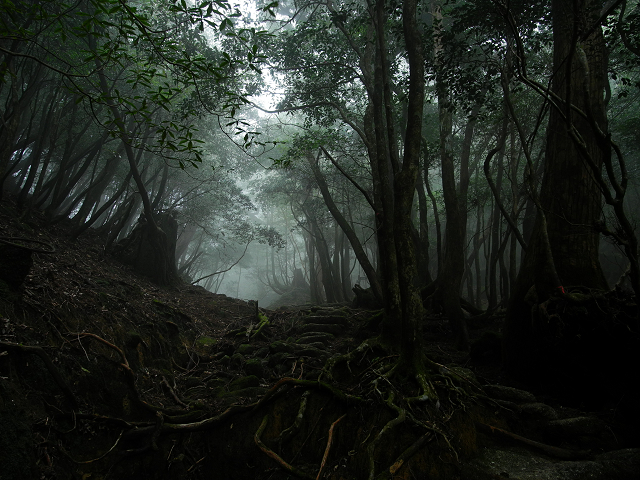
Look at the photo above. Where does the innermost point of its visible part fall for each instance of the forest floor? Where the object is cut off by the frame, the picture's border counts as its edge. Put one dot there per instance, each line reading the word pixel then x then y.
pixel 105 375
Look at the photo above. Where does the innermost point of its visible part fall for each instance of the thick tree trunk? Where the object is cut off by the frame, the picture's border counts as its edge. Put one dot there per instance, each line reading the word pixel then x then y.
pixel 563 236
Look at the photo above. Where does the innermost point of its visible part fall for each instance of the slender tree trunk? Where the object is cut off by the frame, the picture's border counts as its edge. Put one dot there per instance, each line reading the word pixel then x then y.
pixel 158 261
pixel 346 227
pixel 450 278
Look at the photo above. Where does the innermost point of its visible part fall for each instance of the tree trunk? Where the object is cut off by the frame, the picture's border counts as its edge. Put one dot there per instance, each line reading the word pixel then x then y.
pixel 158 246
pixel 570 199
pixel 450 278
pixel 345 226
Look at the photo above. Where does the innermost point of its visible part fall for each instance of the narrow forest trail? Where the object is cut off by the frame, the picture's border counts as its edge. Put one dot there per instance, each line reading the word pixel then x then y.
pixel 105 375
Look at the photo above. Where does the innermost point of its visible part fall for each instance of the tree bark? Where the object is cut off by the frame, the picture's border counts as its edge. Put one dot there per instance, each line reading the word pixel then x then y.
pixel 563 237
pixel 450 278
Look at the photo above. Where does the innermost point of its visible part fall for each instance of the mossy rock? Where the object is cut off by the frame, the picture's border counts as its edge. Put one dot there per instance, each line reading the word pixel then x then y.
pixel 278 358
pixel 326 319
pixel 216 383
pixel 315 338
pixel 262 352
pixel 254 366
pixel 538 411
pixel 323 328
pixel 280 347
pixel 309 351
pixel 237 359
pixel 246 349
pixel 500 392
pixel 244 382
pixel 206 341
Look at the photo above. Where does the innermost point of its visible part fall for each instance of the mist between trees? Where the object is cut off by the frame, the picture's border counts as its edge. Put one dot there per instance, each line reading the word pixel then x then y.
pixel 453 156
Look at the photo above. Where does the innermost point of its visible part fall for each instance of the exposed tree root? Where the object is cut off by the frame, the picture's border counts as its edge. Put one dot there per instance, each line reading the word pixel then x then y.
pixel 404 456
pixel 388 427
pixel 274 455
pixel 38 351
pixel 295 426
pixel 211 422
pixel 129 374
pixel 328 448
pixel 550 450
pixel 359 352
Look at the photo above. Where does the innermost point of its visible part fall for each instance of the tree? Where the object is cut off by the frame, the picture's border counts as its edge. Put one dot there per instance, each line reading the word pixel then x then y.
pixel 359 42
pixel 144 72
pixel 563 250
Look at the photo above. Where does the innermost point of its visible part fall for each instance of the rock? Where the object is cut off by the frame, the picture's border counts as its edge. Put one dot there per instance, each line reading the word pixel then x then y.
pixel 237 359
pixel 509 393
pixel 280 347
pixel 621 464
pixel 308 351
pixel 326 319
pixel 316 337
pixel 254 366
pixel 574 427
pixel 262 352
pixel 524 464
pixel 463 372
pixel 216 383
pixel 246 349
pixel 538 411
pixel 278 358
pixel 316 327
pixel 244 382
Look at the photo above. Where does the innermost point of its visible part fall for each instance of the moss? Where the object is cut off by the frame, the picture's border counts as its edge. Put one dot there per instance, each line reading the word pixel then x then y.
pixel 244 382
pixel 206 341
pixel 246 349
pixel 133 339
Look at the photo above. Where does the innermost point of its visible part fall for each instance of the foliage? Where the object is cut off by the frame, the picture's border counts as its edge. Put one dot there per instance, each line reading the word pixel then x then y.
pixel 158 56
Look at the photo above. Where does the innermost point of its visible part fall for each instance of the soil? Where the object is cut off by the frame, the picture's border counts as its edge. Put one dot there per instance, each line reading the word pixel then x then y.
pixel 105 375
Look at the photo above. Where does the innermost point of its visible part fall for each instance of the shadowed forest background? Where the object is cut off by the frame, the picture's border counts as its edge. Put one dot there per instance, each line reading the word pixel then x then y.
pixel 471 162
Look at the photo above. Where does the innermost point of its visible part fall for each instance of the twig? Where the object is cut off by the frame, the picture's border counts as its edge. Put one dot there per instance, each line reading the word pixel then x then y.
pixel 173 393
pixel 409 452
pixel 104 454
pixel 326 450
pixel 125 362
pixel 274 455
